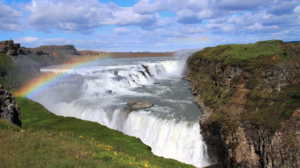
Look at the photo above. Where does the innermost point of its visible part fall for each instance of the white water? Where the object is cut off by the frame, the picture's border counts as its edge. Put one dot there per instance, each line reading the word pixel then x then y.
pixel 171 127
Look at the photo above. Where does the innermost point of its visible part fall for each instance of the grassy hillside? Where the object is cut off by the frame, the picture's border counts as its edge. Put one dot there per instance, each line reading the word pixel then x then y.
pixel 251 55
pixel 47 140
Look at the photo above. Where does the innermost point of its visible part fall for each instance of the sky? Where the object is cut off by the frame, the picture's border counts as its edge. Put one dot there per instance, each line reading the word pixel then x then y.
pixel 147 25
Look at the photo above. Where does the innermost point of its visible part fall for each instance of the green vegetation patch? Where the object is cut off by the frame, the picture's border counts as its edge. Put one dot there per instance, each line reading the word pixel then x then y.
pixel 26 148
pixel 35 118
pixel 251 55
pixel 270 109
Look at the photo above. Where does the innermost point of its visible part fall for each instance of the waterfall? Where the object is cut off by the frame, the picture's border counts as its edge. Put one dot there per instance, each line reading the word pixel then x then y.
pixel 168 128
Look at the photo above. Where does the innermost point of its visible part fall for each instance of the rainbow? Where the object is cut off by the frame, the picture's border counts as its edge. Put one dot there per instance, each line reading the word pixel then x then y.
pixel 44 80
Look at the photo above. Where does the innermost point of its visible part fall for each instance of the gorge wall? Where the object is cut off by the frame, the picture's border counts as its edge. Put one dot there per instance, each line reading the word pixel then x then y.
pixel 251 104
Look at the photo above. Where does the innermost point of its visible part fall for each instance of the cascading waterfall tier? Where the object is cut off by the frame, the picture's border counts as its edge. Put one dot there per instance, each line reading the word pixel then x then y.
pixel 171 127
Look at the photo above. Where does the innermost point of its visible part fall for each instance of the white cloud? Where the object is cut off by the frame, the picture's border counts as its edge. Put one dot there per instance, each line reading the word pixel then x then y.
pixel 121 30
pixel 260 27
pixel 297 10
pixel 283 8
pixel 146 7
pixel 27 39
pixel 193 29
pixel 10 19
pixel 235 19
pixel 228 27
pixel 82 16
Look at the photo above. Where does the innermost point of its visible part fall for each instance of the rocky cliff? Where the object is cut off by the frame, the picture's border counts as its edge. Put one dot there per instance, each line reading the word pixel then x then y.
pixel 66 49
pixel 9 47
pixel 250 95
pixel 9 110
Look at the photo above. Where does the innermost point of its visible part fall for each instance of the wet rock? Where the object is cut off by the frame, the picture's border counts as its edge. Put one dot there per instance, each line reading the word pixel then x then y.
pixel 143 73
pixel 109 92
pixel 134 105
pixel 147 69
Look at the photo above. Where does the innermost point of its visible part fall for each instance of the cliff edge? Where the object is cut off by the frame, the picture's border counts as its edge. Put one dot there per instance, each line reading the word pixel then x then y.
pixel 250 96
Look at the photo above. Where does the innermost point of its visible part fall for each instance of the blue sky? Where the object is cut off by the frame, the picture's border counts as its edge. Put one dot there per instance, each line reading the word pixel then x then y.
pixel 147 25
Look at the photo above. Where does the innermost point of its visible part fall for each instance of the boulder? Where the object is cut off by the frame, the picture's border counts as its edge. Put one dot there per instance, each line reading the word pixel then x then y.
pixel 134 105
pixel 147 69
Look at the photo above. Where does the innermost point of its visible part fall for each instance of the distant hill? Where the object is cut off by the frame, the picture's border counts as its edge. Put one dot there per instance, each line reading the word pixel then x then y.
pixel 293 42
pixel 140 54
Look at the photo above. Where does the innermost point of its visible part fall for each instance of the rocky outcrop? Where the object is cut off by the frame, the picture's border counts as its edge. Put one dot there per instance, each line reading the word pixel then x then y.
pixel 41 52
pixel 247 120
pixel 66 49
pixel 9 110
pixel 8 47
pixel 134 105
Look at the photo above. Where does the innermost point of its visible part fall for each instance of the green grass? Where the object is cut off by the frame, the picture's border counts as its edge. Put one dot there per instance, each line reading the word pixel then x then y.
pixel 35 118
pixel 26 148
pixel 250 55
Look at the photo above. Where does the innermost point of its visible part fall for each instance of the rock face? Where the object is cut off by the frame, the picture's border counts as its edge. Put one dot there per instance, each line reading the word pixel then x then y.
pixel 8 47
pixel 134 105
pixel 240 123
pixel 41 52
pixel 67 49
pixel 9 107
